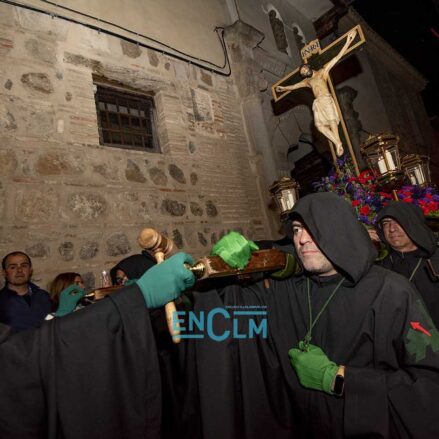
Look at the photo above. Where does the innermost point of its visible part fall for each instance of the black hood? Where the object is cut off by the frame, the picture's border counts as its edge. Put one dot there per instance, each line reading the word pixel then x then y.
pixel 412 220
pixel 133 266
pixel 338 233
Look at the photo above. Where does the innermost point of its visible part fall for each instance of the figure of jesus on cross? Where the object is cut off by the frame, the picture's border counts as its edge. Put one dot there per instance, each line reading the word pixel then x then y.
pixel 326 113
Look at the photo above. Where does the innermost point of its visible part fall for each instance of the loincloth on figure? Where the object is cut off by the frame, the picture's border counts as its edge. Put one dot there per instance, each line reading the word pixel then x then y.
pixel 325 111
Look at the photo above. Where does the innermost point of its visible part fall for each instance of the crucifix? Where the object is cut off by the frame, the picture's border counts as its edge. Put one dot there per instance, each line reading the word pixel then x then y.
pixel 314 73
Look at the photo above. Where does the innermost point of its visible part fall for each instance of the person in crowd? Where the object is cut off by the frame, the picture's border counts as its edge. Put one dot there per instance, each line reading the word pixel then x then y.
pixel 61 282
pixel 413 250
pixel 348 352
pixel 66 291
pixel 131 267
pixel 23 305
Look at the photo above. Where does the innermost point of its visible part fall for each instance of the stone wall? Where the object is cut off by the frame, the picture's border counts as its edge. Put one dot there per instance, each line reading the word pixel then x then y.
pixel 75 205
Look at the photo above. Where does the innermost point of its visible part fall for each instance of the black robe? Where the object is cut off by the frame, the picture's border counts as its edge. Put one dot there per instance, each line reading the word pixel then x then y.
pixel 92 374
pixel 134 267
pixel 412 220
pixel 247 388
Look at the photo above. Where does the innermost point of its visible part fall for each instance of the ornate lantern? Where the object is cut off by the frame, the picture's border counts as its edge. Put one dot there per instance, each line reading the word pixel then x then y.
pixel 382 156
pixel 285 192
pixel 417 170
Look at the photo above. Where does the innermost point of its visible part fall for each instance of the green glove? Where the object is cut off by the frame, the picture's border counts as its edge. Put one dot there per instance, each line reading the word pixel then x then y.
pixel 164 282
pixel 68 299
pixel 234 250
pixel 313 368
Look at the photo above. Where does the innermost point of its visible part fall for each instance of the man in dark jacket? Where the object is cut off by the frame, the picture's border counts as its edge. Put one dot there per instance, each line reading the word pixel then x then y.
pixel 413 250
pixel 23 305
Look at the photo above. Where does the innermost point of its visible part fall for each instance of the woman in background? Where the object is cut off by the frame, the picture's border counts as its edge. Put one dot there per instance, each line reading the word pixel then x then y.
pixel 66 290
pixel 61 282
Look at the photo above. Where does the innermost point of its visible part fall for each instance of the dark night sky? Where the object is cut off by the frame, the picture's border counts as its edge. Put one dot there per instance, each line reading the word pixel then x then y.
pixel 412 28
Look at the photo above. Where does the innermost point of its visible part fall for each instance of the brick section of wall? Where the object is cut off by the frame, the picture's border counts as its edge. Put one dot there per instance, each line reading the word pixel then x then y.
pixel 75 205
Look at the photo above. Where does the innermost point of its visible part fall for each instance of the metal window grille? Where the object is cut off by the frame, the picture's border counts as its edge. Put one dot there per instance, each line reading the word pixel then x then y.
pixel 126 120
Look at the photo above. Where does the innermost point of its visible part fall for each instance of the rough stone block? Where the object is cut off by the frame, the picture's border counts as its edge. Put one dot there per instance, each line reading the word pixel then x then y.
pixel 89 280
pixel 65 250
pixel 37 81
pixel 191 146
pixel 36 206
pixel 177 174
pixel 56 163
pixel 173 207
pixel 202 106
pixel 194 178
pixel 133 172
pixel 196 209
pixel 7 119
pixel 89 250
pixel 143 211
pixel 118 244
pixel 211 209
pixel 206 78
pixel 129 49
pixel 153 58
pixel 79 60
pixel 158 177
pixel 108 171
pixel 88 206
pixel 202 239
pixel 39 250
pixel 177 237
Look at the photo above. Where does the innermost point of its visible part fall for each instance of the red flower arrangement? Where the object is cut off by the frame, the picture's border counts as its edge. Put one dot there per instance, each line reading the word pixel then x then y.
pixel 362 192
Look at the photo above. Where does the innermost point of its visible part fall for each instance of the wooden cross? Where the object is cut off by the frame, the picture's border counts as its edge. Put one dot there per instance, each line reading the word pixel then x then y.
pixel 321 61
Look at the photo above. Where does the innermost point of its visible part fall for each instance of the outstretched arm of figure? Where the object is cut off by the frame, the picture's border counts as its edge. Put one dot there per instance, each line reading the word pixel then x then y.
pixel 336 59
pixel 301 84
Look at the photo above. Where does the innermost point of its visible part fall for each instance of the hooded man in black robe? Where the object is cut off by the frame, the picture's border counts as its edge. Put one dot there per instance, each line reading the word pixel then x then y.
pixel 342 316
pixel 413 250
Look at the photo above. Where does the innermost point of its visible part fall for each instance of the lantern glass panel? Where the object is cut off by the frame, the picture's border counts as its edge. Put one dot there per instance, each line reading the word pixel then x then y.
pixel 417 169
pixel 382 154
pixel 289 196
pixel 417 175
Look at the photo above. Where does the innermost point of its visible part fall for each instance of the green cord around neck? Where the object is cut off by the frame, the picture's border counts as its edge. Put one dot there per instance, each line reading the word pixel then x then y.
pixel 312 322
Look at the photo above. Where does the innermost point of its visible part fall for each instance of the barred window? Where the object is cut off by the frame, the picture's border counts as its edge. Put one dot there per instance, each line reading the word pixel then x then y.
pixel 125 119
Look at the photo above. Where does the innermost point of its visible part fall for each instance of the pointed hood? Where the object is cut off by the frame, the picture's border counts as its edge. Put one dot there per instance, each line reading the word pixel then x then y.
pixel 338 233
pixel 411 218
